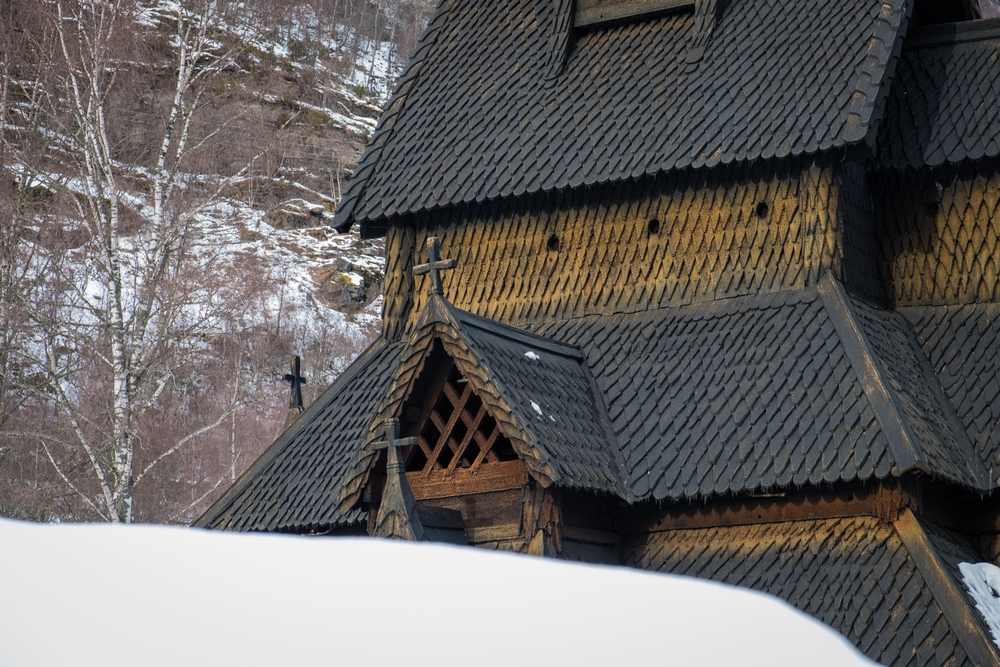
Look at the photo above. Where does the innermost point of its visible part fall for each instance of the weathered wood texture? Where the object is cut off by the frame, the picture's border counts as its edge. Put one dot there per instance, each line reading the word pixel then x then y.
pixel 873 592
pixel 541 520
pixel 940 234
pixel 490 477
pixel 596 12
pixel 489 517
pixel 884 500
pixel 733 232
pixel 397 516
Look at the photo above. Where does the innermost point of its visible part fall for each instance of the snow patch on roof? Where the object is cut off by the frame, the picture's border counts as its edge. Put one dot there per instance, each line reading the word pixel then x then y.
pixel 530 354
pixel 983 582
pixel 537 408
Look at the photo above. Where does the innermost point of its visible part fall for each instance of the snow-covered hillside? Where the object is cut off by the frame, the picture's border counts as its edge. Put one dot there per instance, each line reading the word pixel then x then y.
pixel 169 193
pixel 325 91
pixel 328 281
pixel 121 596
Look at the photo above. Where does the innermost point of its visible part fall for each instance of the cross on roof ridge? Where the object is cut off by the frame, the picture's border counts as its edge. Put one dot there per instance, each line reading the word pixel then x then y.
pixel 295 380
pixel 435 265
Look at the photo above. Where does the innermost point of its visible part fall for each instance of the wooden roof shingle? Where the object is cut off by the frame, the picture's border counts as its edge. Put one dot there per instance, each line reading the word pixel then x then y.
pixel 479 117
pixel 888 587
pixel 295 484
pixel 943 107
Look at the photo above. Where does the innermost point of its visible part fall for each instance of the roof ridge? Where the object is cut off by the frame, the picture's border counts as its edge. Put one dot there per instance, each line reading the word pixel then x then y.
pixel 953 602
pixel 881 59
pixel 512 333
pixel 868 368
pixel 344 216
pixel 711 307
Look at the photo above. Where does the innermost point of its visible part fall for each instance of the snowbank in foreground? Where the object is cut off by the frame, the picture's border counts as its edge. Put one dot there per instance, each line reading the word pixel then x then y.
pixel 109 596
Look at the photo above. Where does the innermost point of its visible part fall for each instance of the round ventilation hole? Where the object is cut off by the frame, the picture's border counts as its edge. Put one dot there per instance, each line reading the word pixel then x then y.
pixel 553 243
pixel 762 210
pixel 653 227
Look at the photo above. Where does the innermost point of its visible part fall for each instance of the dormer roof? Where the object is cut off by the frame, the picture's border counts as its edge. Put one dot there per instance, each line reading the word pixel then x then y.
pixel 752 395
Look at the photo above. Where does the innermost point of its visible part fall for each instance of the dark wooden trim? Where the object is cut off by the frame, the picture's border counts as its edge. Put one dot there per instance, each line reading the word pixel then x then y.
pixel 626 9
pixel 955 33
pixel 868 370
pixel 516 335
pixel 591 535
pixel 883 501
pixel 953 602
pixel 498 476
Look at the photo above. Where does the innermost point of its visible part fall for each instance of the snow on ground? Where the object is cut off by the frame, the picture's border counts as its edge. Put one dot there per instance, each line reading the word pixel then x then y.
pixel 983 582
pixel 141 595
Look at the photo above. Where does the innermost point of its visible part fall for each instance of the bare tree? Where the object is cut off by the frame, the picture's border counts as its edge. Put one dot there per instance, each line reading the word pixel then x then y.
pixel 135 300
pixel 139 352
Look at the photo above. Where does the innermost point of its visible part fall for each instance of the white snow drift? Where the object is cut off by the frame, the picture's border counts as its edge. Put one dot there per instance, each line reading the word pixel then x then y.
pixel 983 582
pixel 107 596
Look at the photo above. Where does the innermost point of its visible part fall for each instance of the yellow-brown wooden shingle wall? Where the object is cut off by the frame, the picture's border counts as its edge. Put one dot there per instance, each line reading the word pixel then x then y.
pixel 711 244
pixel 940 234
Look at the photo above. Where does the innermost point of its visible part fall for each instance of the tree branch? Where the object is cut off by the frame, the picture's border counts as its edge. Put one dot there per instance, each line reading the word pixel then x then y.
pixel 70 484
pixel 188 438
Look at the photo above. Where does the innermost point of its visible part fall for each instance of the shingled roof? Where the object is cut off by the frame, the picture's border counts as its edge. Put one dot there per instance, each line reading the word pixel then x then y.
pixel 892 589
pixel 961 343
pixel 753 80
pixel 942 108
pixel 676 403
pixel 539 391
pixel 295 484
pixel 718 398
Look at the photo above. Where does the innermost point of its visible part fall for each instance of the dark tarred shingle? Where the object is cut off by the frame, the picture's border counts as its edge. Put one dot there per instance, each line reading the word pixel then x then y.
pixel 477 116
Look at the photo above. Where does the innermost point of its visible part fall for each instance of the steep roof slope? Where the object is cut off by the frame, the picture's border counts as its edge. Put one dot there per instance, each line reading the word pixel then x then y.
pixel 677 403
pixel 295 484
pixel 888 587
pixel 479 116
pixel 961 343
pixel 942 107
pixel 776 391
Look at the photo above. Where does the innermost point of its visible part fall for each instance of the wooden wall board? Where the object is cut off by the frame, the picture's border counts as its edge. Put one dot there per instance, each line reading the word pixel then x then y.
pixel 940 235
pixel 692 239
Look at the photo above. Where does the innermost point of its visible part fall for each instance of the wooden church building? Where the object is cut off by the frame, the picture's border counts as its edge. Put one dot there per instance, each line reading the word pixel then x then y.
pixel 709 287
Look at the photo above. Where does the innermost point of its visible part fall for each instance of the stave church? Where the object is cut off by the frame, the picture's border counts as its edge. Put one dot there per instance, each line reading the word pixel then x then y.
pixel 706 287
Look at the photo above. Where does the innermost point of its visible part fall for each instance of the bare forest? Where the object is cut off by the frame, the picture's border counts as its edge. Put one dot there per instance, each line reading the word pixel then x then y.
pixel 167 173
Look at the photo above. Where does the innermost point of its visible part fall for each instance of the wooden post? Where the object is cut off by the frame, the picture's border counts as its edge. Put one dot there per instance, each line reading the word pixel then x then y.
pixel 397 515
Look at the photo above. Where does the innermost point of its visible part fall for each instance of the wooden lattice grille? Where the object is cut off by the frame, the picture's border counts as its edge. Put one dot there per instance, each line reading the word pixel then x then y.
pixel 458 434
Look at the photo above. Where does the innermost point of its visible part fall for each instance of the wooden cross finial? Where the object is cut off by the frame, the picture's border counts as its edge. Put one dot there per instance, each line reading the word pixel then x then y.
pixel 295 382
pixel 435 265
pixel 393 443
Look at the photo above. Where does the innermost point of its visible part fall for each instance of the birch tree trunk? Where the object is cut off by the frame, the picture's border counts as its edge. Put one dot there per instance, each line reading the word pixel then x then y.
pixel 128 307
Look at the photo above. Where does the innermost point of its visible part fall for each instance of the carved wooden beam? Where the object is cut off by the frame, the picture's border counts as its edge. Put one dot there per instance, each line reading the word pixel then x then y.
pixel 594 12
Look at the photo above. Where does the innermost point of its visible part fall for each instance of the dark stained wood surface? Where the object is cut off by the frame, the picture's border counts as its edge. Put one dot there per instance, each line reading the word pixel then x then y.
pixel 490 477
pixel 595 12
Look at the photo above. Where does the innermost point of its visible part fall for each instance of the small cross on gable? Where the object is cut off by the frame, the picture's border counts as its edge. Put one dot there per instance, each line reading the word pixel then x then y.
pixel 435 265
pixel 295 382
pixel 393 443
